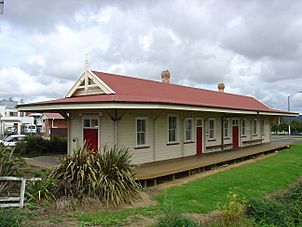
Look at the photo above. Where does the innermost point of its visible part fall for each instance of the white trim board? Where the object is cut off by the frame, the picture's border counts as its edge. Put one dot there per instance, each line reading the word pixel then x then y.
pixel 101 86
pixel 110 105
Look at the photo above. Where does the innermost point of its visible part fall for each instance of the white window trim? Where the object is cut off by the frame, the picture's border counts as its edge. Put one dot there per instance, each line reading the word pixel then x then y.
pixel 228 128
pixel 243 134
pixel 146 133
pixel 192 126
pixel 235 122
pixel 262 127
pixel 253 127
pixel 214 135
pixel 201 122
pixel 177 131
pixel 91 118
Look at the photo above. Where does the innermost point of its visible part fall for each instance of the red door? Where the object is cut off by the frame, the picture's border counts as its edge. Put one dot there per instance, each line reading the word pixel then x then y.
pixel 91 138
pixel 235 137
pixel 199 140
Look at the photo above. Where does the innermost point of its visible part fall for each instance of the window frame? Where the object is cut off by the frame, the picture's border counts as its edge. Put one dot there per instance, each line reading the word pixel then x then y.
pixel 226 130
pixel 90 122
pixel 185 130
pixel 262 125
pixel 255 128
pixel 146 132
pixel 214 128
pixel 243 127
pixel 168 129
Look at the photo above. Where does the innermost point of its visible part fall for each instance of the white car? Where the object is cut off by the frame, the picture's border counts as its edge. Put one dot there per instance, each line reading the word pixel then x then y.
pixel 11 140
pixel 30 129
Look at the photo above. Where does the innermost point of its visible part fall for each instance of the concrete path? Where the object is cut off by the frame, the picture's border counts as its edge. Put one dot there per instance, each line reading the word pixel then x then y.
pixel 47 162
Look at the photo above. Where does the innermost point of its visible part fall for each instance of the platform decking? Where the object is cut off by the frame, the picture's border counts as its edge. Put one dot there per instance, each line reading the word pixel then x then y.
pixel 154 170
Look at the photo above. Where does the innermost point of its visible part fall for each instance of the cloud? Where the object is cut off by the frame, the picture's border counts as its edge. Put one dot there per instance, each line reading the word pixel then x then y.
pixel 253 47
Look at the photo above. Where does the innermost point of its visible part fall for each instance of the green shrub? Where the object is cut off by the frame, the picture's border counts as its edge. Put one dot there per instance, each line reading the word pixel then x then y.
pixel 117 181
pixel 233 210
pixel 10 165
pixel 172 218
pixel 35 145
pixel 107 175
pixel 10 217
pixel 283 210
pixel 41 192
pixel 77 174
pixel 267 212
pixel 58 145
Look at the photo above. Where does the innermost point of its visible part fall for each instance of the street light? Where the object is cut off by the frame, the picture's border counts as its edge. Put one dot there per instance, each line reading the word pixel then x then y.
pixel 288 105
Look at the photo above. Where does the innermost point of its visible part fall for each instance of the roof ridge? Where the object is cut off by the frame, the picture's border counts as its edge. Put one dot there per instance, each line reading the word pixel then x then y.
pixel 171 84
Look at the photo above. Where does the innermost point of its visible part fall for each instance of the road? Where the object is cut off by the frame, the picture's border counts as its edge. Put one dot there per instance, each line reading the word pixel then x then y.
pixel 290 139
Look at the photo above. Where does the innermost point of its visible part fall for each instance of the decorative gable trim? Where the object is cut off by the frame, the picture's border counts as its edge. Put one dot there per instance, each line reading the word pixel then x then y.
pixel 89 84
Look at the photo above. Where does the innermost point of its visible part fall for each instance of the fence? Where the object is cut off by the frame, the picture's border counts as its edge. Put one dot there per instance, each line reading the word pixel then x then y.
pixel 17 201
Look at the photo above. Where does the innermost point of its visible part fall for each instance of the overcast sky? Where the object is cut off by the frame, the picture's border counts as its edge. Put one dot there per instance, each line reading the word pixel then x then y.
pixel 254 47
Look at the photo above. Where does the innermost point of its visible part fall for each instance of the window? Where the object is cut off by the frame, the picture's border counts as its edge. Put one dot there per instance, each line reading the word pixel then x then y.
pixel 235 122
pixel 243 127
pixel 211 128
pixel 225 128
pixel 255 126
pixel 172 129
pixel 141 131
pixel 87 123
pixel 188 129
pixel 91 123
pixel 262 127
pixel 198 122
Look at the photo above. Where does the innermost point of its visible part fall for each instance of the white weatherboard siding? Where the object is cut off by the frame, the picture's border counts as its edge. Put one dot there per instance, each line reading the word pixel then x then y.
pixel 127 136
pixel 162 149
pixel 75 138
pixel 157 147
pixel 107 131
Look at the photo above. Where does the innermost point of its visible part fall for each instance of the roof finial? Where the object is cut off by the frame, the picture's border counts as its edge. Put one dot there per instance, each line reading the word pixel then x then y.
pixel 86 63
pixel 86 73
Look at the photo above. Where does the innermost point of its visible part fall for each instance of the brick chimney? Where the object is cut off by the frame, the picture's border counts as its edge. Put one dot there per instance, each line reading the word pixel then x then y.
pixel 221 87
pixel 165 75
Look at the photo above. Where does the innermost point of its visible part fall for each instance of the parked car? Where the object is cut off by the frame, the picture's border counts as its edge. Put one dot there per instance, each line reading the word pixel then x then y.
pixel 30 129
pixel 11 140
pixel 10 130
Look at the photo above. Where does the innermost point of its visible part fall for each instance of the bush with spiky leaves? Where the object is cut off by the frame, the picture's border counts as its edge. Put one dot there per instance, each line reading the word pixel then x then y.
pixel 117 183
pixel 77 174
pixel 10 165
pixel 107 175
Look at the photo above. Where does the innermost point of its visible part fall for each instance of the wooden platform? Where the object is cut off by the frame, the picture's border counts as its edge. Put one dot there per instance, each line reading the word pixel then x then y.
pixel 170 168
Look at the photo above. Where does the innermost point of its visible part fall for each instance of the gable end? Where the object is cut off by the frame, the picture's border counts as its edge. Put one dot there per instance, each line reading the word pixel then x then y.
pixel 89 84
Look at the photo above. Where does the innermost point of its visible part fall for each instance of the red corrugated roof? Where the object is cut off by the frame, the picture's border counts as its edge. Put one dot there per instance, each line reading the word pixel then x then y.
pixel 53 116
pixel 136 90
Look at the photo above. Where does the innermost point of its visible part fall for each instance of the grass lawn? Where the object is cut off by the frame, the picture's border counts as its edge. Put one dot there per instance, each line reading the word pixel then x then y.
pixel 253 180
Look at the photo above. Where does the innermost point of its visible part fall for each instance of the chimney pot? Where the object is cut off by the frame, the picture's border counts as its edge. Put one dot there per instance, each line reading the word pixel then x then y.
pixel 221 87
pixel 165 75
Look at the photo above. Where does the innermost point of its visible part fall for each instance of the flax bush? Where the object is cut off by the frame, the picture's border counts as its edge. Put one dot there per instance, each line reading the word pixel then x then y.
pixel 10 165
pixel 107 175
